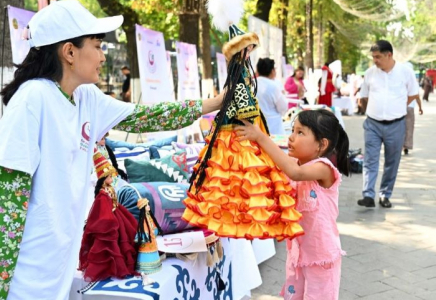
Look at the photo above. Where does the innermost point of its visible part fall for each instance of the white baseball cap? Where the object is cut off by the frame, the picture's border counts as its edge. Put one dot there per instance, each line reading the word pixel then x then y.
pixel 64 20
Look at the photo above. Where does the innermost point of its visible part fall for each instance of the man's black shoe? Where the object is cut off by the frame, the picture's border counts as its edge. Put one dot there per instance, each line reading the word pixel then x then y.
pixel 366 201
pixel 384 202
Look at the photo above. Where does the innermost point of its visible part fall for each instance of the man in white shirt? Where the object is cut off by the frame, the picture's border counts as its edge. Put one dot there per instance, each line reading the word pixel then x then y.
pixel 388 87
pixel 272 102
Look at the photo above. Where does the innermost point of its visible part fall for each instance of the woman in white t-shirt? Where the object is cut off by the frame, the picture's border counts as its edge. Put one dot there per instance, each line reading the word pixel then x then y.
pixel 54 115
pixel 272 102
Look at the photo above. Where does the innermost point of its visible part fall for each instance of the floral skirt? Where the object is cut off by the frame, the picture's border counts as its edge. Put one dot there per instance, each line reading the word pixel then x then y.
pixel 244 195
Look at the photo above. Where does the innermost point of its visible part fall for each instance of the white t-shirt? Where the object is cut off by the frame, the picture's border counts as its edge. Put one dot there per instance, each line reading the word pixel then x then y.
pixel 272 103
pixel 387 92
pixel 44 135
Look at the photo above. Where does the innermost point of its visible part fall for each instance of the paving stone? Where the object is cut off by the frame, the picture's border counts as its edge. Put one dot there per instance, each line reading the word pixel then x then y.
pixel 427 295
pixel 403 285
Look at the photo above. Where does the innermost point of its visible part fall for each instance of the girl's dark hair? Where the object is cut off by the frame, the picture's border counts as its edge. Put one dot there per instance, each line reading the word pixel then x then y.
pixel 142 236
pixel 265 66
pixel 42 63
pixel 324 124
pixel 99 185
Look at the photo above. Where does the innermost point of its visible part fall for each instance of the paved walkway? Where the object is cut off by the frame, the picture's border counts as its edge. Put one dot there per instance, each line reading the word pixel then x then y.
pixel 391 252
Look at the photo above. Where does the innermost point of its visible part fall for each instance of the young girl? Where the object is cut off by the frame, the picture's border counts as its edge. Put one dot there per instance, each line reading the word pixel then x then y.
pixel 313 266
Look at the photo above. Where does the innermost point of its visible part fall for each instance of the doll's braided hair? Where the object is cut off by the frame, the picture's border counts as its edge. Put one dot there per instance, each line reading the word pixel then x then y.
pixel 141 233
pixel 234 71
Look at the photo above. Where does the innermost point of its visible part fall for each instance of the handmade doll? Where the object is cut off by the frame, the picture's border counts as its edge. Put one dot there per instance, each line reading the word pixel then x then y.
pixel 148 256
pixel 236 189
pixel 108 243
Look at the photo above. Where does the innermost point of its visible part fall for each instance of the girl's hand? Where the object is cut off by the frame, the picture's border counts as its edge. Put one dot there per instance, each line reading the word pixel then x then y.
pixel 248 132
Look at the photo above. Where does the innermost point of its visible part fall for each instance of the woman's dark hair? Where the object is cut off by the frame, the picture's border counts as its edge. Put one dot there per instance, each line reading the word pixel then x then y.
pixel 99 185
pixel 300 68
pixel 324 124
pixel 42 63
pixel 265 66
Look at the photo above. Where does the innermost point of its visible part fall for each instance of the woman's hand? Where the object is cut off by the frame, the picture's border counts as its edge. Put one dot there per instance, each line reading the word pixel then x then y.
pixel 212 104
pixel 248 132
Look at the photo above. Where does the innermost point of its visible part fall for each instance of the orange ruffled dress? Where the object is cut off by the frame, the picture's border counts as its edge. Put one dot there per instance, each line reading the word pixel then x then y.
pixel 244 195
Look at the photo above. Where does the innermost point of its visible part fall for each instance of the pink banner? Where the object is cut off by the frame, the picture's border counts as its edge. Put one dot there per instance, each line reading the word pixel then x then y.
pixel 187 70
pixel 18 20
pixel 153 66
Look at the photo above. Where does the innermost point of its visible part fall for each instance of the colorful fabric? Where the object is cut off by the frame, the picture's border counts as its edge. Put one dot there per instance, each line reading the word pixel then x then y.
pixel 148 256
pixel 162 116
pixel 172 168
pixel 244 194
pixel 14 197
pixel 108 248
pixel 165 202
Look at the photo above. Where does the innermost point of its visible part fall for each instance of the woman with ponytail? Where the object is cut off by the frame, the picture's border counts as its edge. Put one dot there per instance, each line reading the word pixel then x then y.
pixel 236 189
pixel 54 115
pixel 317 155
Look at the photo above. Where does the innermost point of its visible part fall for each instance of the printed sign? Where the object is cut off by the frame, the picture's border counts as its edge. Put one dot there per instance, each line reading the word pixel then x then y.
pixel 18 20
pixel 186 242
pixel 153 66
pixel 187 70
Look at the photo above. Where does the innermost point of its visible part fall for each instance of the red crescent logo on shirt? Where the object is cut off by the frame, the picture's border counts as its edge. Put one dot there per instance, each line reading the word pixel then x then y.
pixel 86 130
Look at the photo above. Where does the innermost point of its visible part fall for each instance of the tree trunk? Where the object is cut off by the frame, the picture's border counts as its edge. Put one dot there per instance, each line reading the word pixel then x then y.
pixel 205 42
pixel 189 22
pixel 320 37
pixel 113 8
pixel 7 55
pixel 284 27
pixel 262 9
pixel 331 51
pixel 309 34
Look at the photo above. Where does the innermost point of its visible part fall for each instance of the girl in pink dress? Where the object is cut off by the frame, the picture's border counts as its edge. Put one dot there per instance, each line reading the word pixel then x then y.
pixel 318 154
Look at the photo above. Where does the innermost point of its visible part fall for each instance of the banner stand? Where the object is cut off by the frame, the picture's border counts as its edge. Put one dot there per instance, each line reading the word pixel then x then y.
pixel 3 53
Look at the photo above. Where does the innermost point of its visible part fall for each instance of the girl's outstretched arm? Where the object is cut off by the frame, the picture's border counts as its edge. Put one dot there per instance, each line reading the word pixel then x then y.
pixel 289 165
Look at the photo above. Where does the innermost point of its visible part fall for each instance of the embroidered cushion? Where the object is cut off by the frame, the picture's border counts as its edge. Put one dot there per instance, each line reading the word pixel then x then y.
pixel 192 151
pixel 165 201
pixel 171 168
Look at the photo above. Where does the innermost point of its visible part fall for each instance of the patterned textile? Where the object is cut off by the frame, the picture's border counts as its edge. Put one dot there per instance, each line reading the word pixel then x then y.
pixel 172 168
pixel 14 197
pixel 165 202
pixel 161 117
pixel 244 194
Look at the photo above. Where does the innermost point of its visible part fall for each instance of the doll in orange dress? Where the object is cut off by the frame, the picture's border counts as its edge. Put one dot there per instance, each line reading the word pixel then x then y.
pixel 236 189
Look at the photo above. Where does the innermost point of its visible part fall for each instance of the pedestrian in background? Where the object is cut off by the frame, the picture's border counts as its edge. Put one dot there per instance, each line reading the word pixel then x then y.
pixel 389 87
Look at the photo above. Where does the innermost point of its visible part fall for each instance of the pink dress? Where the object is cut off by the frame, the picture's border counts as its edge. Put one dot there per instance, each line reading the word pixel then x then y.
pixel 313 265
pixel 293 90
